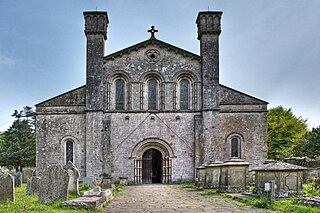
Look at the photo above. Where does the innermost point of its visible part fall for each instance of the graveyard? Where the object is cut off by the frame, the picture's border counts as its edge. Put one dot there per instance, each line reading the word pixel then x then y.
pixel 58 188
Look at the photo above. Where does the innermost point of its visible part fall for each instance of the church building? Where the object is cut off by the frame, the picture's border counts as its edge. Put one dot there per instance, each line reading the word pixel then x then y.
pixel 152 112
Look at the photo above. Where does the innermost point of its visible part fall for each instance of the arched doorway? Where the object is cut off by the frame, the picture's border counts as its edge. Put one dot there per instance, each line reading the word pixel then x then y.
pixel 152 161
pixel 152 166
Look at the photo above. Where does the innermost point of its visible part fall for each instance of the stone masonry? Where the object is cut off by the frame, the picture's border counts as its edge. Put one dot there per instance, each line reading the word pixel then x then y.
pixel 119 124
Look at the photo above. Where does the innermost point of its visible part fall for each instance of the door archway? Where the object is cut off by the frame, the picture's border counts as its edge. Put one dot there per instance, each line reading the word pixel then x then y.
pixel 152 161
pixel 152 166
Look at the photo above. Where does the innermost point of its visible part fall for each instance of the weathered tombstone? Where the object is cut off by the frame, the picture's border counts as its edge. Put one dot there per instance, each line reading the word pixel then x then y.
pixel 73 172
pixel 33 185
pixel 6 187
pixel 26 173
pixel 213 175
pixel 234 176
pixel 201 175
pixel 17 179
pixel 288 178
pixel 53 184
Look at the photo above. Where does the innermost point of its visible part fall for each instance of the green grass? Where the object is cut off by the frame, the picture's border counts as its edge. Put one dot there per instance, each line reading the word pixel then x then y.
pixel 310 190
pixel 29 203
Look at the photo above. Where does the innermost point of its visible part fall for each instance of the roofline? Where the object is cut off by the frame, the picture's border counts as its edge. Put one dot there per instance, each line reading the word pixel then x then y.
pixel 152 41
pixel 58 95
pixel 244 94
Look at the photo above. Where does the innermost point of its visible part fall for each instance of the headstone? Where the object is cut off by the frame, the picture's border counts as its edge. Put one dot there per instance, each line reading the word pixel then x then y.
pixel 53 184
pixel 17 179
pixel 73 172
pixel 26 173
pixel 6 187
pixel 33 185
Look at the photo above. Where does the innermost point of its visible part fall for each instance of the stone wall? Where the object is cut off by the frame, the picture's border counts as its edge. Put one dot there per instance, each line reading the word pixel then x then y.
pixel 52 131
pixel 135 70
pixel 161 128
pixel 251 128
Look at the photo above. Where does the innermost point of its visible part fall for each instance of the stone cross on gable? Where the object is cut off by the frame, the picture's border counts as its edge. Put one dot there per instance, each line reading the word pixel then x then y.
pixel 152 31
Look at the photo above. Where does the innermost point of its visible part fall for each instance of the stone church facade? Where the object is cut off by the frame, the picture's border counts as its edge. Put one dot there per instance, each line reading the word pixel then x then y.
pixel 151 112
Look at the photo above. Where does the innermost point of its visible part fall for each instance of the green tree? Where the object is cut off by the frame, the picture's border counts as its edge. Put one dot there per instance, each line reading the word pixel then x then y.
pixel 284 131
pixel 309 144
pixel 1 139
pixel 18 148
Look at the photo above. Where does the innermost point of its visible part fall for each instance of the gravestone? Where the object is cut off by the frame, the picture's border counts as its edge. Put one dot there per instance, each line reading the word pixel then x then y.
pixel 33 185
pixel 17 179
pixel 26 173
pixel 53 184
pixel 6 187
pixel 73 172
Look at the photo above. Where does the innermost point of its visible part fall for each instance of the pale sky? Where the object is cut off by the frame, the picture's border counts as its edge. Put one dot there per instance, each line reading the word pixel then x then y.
pixel 269 49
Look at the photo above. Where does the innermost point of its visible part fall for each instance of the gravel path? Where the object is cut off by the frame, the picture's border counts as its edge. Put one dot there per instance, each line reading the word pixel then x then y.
pixel 173 198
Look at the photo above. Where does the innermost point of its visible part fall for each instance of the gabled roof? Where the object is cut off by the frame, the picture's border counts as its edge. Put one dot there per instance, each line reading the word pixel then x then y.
pixel 229 96
pixel 152 41
pixel 74 97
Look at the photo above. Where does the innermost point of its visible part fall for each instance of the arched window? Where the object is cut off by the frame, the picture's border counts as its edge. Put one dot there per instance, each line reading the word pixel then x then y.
pixel 184 94
pixel 120 94
pixel 69 150
pixel 152 94
pixel 235 147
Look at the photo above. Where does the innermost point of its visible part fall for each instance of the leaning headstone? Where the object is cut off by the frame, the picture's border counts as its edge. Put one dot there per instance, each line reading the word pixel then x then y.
pixel 26 173
pixel 6 187
pixel 17 179
pixel 33 185
pixel 73 172
pixel 53 184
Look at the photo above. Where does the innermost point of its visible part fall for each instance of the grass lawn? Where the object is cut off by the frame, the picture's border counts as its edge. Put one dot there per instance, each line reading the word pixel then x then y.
pixel 29 203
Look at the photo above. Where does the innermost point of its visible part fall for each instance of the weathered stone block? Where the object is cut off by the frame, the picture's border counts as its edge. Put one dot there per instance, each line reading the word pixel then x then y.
pixel 6 187
pixel 53 184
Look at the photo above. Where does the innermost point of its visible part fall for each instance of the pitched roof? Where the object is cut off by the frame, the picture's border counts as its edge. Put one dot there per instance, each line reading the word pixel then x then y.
pixel 231 96
pixel 74 97
pixel 152 41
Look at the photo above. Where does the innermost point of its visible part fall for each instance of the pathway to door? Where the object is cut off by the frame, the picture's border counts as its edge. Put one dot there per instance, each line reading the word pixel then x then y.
pixel 173 198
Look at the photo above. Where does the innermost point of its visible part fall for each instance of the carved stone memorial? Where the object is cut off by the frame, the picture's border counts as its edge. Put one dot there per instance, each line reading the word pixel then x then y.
pixel 33 185
pixel 17 179
pixel 6 187
pixel 53 184
pixel 73 172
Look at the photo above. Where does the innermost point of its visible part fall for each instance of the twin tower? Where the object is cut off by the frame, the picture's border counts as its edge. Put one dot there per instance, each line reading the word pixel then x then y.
pixel 209 29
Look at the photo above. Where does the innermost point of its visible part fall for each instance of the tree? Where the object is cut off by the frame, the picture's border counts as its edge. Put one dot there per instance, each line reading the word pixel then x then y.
pixel 284 131
pixel 19 143
pixel 309 145
pixel 1 139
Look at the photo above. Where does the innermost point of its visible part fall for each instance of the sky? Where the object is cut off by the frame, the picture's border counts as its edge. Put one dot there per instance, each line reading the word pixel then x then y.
pixel 269 49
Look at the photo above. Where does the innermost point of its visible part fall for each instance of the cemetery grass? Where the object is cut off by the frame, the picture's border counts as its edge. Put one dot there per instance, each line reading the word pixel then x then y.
pixel 29 203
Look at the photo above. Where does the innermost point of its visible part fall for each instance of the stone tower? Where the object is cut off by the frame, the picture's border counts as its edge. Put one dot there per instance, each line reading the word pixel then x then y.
pixel 208 33
pixel 96 24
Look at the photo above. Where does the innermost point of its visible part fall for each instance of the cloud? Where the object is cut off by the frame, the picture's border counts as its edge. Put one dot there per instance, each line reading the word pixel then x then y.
pixel 7 61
